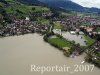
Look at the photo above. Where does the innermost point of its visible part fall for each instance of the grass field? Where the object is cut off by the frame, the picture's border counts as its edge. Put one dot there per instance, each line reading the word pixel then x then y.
pixel 89 40
pixel 57 25
pixel 60 42
pixel 12 6
pixel 43 20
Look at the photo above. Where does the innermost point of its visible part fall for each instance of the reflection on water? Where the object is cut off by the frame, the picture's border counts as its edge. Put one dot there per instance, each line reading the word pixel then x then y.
pixel 72 37
pixel 77 38
pixel 19 52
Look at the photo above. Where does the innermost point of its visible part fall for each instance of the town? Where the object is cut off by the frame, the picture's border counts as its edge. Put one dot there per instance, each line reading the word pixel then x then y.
pixel 53 28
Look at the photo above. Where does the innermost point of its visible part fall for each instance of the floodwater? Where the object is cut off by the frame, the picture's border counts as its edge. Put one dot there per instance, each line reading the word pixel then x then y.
pixel 72 37
pixel 77 38
pixel 17 53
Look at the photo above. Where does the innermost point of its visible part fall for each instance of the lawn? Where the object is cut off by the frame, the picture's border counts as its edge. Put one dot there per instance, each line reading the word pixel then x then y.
pixel 89 40
pixel 57 25
pixel 39 8
pixel 60 42
pixel 42 20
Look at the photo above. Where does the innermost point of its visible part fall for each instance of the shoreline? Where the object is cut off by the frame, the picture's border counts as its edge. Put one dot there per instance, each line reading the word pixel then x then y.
pixel 65 52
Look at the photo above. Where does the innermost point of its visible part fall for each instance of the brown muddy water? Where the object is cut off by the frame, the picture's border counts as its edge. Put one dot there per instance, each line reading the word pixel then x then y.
pixel 18 53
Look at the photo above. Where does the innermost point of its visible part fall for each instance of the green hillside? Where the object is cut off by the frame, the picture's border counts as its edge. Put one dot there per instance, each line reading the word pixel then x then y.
pixel 15 7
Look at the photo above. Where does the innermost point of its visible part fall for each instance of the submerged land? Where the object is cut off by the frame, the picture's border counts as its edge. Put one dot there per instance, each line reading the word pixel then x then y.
pixel 71 32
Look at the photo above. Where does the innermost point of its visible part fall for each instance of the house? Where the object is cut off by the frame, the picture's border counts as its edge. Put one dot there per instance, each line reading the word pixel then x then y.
pixel 73 32
pixel 89 29
pixel 27 19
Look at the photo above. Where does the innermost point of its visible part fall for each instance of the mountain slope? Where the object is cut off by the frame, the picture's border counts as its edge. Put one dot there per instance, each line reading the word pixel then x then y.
pixel 33 2
pixel 11 6
pixel 63 4
pixel 10 9
pixel 67 4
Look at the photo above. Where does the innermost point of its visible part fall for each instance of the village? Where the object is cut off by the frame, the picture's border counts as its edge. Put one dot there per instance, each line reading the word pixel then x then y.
pixel 65 23
pixel 23 26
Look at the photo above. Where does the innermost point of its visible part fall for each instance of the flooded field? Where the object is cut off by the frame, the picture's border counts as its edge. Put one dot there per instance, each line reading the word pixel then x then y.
pixel 77 38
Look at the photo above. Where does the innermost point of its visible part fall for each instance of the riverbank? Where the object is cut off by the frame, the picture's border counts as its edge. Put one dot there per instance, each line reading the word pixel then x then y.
pixel 92 60
pixel 93 55
pixel 68 47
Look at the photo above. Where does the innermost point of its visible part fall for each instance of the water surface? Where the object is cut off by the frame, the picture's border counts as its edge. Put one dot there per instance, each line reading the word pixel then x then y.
pixel 17 53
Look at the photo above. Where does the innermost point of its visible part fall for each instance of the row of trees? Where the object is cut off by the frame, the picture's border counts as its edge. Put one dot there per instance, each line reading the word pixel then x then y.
pixel 74 47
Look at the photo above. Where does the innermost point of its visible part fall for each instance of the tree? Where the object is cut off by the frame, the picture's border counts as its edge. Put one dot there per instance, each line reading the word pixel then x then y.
pixel 33 8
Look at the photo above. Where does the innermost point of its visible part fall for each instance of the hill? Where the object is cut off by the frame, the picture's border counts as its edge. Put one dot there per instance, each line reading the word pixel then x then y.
pixel 11 9
pixel 18 8
pixel 32 2
pixel 68 4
